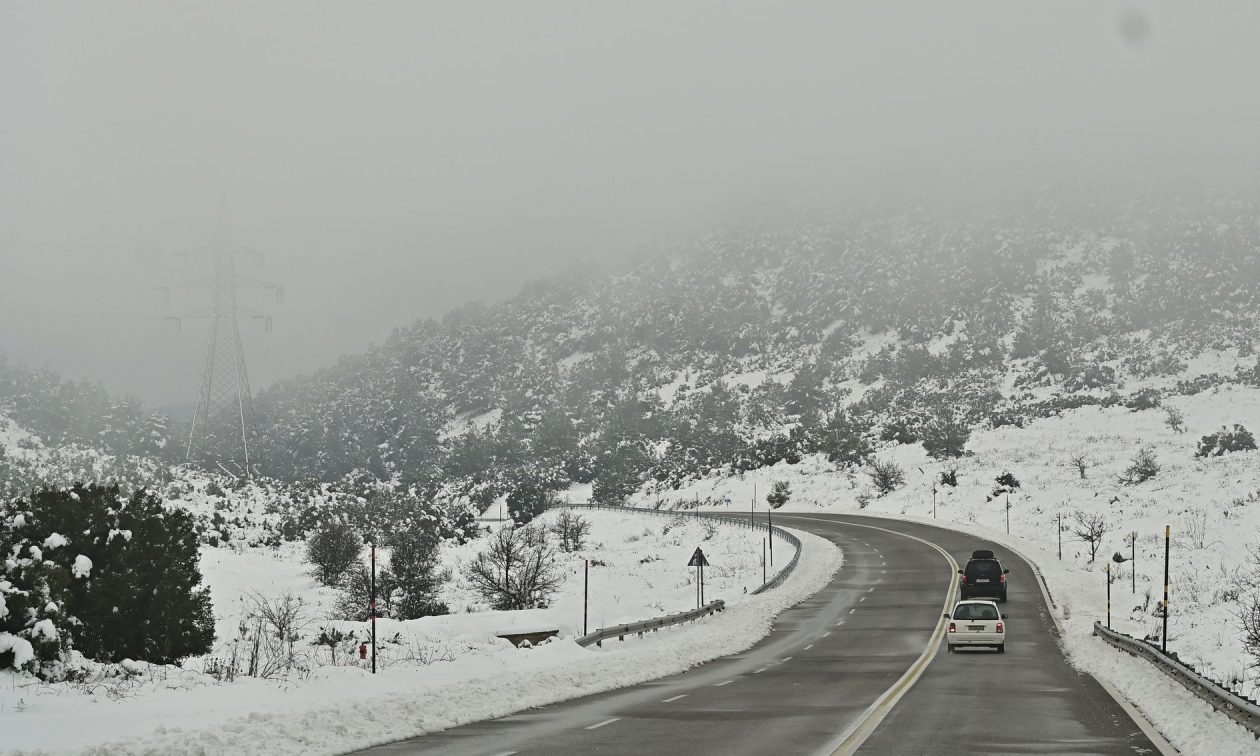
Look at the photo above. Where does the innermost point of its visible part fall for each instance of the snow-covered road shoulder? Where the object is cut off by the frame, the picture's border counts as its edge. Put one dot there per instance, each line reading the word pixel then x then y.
pixel 341 709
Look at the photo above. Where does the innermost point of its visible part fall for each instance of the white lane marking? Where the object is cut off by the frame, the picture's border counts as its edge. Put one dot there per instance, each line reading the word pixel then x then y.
pixel 675 698
pixel 759 671
pixel 786 659
pixel 506 753
pixel 868 590
pixel 851 611
pixel 862 599
pixel 828 632
pixel 728 682
pixel 809 646
pixel 601 724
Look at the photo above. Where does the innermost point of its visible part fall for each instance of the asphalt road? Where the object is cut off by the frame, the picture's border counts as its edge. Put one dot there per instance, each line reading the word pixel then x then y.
pixel 804 687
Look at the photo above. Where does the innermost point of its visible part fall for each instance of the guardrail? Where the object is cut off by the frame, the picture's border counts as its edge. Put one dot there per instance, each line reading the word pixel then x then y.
pixel 743 522
pixel 639 628
pixel 1242 710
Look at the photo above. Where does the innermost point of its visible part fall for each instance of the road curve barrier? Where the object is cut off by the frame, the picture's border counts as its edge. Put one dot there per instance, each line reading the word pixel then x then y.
pixel 1242 710
pixel 638 628
pixel 651 625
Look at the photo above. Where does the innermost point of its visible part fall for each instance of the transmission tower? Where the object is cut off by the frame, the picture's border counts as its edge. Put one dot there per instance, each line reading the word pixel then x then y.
pixel 222 433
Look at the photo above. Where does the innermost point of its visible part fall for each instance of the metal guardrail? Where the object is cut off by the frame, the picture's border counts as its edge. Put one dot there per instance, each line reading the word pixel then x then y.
pixel 1243 711
pixel 743 522
pixel 638 628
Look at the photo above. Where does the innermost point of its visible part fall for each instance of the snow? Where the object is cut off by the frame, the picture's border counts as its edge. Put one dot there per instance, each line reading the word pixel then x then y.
pixel 55 541
pixel 337 708
pixel 82 566
pixel 22 650
pixel 45 628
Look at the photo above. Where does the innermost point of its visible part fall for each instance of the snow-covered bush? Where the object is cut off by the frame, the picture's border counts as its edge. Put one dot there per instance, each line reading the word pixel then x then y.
pixel 780 492
pixel 1226 440
pixel 886 475
pixel 1143 467
pixel 945 434
pixel 126 577
pixel 333 549
pixel 32 582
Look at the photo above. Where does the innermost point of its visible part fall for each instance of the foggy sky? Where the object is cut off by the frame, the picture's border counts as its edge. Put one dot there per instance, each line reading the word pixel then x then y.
pixel 394 160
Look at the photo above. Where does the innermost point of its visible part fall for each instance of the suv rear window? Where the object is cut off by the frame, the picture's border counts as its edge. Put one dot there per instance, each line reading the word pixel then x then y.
pixel 983 569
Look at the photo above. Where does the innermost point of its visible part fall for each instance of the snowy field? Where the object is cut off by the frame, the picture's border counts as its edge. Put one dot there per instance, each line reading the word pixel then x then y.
pixel 435 672
pixel 1212 505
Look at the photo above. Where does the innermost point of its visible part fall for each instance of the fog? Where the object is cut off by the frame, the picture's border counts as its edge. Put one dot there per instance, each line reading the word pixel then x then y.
pixel 394 160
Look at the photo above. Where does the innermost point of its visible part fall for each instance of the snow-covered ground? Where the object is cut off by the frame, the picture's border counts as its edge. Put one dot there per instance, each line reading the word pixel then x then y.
pixel 1212 505
pixel 435 672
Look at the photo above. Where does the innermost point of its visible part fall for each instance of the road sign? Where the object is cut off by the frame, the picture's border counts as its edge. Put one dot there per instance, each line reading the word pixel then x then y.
pixel 697 559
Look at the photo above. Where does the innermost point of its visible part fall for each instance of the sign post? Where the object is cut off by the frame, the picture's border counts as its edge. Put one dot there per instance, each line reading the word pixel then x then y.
pixel 1163 636
pixel 699 561
pixel 1133 560
pixel 586 591
pixel 372 606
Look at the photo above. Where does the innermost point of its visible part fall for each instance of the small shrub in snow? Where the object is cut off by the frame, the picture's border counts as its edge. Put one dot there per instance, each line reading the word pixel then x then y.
pixel 333 548
pixel 1007 482
pixel 1145 399
pixel 527 500
pixel 1226 440
pixel 886 476
pixel 950 477
pixel 1249 624
pixel 1143 467
pixel 1175 419
pixel 780 492
pixel 572 530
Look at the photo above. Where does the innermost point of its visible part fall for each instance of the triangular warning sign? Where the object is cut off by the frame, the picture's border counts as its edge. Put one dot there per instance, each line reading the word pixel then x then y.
pixel 697 559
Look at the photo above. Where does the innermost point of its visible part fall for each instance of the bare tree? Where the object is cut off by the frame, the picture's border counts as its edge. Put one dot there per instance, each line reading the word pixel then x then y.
pixel 518 570
pixel 886 476
pixel 1090 528
pixel 572 529
pixel 1249 619
pixel 1080 461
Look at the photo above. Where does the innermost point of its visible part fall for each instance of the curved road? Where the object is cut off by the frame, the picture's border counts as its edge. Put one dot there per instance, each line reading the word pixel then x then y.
pixel 806 686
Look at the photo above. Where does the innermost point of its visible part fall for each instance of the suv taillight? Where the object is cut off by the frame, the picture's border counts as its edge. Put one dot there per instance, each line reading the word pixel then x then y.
pixel 962 579
pixel 1000 628
pixel 952 628
pixel 1002 578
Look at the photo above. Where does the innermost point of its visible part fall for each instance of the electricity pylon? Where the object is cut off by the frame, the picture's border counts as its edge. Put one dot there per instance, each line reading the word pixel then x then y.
pixel 222 433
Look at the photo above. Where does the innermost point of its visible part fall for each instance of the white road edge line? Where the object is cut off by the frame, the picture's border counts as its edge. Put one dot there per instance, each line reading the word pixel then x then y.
pixel 601 724
pixel 674 698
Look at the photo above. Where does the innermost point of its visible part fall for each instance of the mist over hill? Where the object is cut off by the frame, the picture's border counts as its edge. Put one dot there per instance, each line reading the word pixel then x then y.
pixel 771 339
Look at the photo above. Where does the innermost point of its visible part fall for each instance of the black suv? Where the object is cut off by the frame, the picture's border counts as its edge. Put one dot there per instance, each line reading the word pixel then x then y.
pixel 983 577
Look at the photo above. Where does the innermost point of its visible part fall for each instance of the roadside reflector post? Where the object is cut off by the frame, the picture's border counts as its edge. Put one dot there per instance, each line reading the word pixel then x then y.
pixel 1163 636
pixel 1108 595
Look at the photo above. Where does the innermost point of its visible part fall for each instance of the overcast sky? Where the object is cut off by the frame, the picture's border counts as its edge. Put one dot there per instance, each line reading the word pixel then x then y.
pixel 394 160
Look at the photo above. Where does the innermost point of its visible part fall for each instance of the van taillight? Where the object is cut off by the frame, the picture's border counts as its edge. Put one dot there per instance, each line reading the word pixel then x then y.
pixel 1000 629
pixel 952 628
pixel 962 579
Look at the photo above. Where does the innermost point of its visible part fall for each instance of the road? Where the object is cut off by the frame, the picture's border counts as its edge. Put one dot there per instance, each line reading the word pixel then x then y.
pixel 806 686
